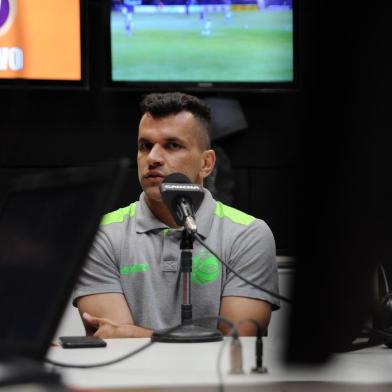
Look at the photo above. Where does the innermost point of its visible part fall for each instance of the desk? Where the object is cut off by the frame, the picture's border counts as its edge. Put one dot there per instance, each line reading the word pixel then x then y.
pixel 193 367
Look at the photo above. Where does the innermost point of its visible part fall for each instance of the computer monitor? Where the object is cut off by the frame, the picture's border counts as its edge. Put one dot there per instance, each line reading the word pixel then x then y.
pixel 342 236
pixel 47 224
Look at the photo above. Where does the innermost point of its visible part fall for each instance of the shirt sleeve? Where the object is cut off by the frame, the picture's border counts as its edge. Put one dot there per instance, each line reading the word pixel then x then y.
pixel 100 273
pixel 253 255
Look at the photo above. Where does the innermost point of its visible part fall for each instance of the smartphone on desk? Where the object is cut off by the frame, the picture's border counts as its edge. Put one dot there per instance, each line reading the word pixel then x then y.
pixel 81 341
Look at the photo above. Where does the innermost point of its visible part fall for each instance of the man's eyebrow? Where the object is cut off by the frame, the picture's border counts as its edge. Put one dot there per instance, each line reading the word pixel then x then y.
pixel 167 140
pixel 173 139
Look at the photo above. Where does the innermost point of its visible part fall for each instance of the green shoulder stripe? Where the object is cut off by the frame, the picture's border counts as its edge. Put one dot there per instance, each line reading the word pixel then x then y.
pixel 236 216
pixel 119 215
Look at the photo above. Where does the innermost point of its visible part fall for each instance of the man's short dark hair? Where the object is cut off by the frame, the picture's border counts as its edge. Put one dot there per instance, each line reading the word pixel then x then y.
pixel 164 104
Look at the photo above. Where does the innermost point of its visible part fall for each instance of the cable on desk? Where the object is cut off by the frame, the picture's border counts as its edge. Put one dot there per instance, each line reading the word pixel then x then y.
pixel 384 336
pixel 95 365
pixel 273 294
pixel 132 353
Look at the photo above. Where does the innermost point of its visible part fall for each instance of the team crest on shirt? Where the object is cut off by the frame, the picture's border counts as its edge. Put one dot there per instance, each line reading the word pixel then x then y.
pixel 7 15
pixel 205 268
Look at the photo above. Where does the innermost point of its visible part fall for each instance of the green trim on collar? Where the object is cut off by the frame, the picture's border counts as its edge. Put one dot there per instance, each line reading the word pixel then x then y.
pixel 236 216
pixel 119 215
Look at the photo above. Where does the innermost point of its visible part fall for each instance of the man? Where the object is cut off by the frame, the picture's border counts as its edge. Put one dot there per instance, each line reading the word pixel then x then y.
pixel 131 283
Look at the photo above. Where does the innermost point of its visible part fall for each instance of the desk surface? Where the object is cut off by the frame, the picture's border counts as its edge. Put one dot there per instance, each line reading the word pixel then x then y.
pixel 193 367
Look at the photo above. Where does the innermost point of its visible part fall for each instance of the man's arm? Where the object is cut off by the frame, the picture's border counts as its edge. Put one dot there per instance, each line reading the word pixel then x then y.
pixel 253 255
pixel 107 315
pixel 237 309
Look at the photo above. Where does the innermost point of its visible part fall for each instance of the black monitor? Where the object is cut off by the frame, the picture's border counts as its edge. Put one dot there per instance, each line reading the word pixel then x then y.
pixel 47 224
pixel 335 289
pixel 342 230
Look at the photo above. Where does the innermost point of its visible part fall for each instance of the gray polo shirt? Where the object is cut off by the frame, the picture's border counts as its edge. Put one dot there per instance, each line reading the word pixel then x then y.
pixel 137 255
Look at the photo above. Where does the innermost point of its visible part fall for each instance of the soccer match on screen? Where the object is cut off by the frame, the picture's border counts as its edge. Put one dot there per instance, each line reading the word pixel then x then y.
pixel 202 40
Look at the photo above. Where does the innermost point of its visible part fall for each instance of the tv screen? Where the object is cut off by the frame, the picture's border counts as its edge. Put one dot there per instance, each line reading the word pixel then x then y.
pixel 202 43
pixel 41 40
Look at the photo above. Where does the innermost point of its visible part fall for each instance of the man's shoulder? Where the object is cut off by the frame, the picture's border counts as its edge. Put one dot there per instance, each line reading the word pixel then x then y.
pixel 233 215
pixel 236 222
pixel 120 215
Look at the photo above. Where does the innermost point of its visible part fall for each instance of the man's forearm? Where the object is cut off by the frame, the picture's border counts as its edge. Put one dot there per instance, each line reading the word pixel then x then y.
pixel 122 331
pixel 134 331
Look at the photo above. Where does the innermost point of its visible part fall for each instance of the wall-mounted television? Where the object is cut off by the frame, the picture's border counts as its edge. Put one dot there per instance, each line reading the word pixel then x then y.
pixel 201 44
pixel 42 43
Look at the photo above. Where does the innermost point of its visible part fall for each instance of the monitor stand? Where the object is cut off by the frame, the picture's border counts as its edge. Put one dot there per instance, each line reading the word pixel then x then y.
pixel 16 371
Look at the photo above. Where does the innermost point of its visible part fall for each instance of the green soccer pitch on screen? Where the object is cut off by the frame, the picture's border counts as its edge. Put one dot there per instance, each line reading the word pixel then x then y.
pixel 205 43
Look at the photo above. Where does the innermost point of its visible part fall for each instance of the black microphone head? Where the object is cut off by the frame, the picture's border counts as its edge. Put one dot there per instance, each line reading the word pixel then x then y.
pixel 177 186
pixel 177 178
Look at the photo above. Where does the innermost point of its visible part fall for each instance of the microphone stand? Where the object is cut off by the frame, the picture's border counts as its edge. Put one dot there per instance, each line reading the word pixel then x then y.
pixel 188 332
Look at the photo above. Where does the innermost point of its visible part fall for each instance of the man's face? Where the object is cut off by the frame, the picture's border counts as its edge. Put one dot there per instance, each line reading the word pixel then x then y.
pixel 169 145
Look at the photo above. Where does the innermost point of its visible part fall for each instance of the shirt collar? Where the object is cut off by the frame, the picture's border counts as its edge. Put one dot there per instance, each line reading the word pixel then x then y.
pixel 147 222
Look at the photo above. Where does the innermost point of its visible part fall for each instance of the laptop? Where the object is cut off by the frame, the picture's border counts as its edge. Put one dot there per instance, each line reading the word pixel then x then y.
pixel 47 224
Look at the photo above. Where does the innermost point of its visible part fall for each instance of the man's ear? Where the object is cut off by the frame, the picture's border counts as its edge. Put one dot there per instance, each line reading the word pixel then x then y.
pixel 208 163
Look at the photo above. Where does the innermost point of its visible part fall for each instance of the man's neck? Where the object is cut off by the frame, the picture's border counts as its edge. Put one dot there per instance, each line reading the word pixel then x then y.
pixel 160 211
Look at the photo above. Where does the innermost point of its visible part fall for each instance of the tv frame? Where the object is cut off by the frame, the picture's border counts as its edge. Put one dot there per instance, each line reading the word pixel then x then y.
pixel 201 87
pixel 57 84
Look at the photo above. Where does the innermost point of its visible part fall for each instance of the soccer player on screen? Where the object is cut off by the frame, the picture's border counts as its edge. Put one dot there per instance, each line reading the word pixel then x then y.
pixel 127 13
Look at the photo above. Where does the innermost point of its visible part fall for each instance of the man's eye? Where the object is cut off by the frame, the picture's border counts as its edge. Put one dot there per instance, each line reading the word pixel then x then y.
pixel 173 146
pixel 143 146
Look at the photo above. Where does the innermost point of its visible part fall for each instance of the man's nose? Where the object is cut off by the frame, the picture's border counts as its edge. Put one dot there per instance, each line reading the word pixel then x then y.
pixel 155 156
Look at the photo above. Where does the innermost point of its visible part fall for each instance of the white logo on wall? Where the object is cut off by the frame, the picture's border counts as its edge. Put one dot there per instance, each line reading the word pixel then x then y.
pixel 7 15
pixel 11 58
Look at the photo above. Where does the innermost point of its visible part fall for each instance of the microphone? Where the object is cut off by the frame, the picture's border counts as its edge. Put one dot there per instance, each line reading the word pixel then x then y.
pixel 182 198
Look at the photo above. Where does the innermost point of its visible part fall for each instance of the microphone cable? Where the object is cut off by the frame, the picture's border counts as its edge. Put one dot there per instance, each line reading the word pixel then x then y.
pixel 273 294
pixel 107 363
pixel 384 336
pixel 235 354
pixel 134 352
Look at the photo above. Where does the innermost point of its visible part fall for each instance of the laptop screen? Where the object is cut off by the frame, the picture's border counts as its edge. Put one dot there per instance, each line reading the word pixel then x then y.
pixel 47 224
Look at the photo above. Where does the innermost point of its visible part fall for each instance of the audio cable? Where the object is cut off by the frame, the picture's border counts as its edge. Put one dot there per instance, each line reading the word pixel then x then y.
pixel 134 352
pixel 273 294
